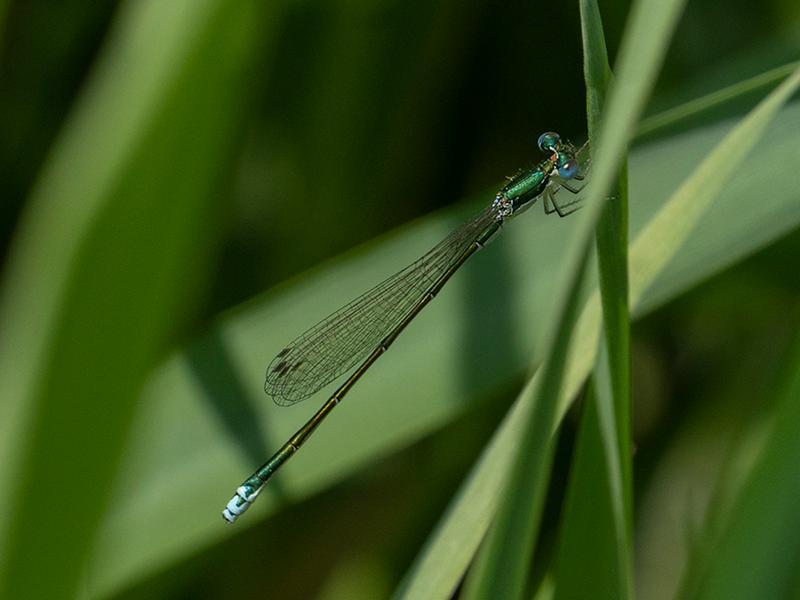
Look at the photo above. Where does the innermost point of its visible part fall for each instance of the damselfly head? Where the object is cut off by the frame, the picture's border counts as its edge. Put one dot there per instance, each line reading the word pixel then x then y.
pixel 549 141
pixel 563 154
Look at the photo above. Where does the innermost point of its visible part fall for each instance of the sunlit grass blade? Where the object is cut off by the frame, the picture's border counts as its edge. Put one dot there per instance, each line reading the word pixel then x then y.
pixel 103 268
pixel 680 114
pixel 501 570
pixel 444 559
pixel 657 242
pixel 612 252
pixel 511 539
pixel 751 550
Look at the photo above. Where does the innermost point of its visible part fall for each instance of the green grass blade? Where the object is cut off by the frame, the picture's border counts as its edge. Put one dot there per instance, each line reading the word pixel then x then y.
pixel 612 262
pixel 653 261
pixel 103 267
pixel 612 254
pixel 596 70
pixel 641 53
pixel 752 551
pixel 660 239
pixel 599 495
pixel 501 570
pixel 680 114
pixel 594 503
pixel 510 543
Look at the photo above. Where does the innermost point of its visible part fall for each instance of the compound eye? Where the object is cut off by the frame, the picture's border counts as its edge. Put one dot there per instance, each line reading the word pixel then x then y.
pixel 548 141
pixel 569 169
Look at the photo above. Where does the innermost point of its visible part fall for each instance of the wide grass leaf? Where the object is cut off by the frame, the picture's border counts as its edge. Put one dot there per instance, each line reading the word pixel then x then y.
pixel 102 269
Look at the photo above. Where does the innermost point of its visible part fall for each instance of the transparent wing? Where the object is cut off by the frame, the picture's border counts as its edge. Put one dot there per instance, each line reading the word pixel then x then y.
pixel 337 343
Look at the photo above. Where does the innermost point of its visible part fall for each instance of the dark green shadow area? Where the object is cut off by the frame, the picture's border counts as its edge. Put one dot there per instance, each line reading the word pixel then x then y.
pixel 209 362
pixel 487 337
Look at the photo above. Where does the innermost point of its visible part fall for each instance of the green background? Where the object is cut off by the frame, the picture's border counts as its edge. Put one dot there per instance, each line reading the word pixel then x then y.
pixel 187 186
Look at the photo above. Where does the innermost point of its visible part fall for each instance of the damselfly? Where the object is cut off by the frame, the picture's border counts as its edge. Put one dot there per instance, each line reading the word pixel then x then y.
pixel 357 334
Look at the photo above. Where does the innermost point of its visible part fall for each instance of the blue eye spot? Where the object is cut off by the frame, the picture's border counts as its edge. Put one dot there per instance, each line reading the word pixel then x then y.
pixel 569 169
pixel 548 141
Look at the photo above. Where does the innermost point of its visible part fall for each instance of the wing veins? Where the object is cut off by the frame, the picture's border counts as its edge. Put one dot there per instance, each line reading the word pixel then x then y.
pixel 338 342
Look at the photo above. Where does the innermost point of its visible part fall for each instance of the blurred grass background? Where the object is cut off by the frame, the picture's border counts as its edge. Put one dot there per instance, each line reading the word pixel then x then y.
pixel 352 119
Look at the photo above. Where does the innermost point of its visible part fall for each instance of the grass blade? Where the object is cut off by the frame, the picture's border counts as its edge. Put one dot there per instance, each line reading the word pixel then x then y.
pixel 500 571
pixel 596 70
pixel 663 121
pixel 445 557
pixel 103 266
pixel 510 543
pixel 661 238
pixel 612 254
pixel 599 494
pixel 595 503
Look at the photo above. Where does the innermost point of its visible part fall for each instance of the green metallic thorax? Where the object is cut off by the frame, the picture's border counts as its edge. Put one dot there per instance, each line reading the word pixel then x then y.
pixel 527 185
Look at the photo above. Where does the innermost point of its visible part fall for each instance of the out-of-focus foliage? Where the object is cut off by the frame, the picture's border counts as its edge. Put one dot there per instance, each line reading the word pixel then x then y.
pixel 164 164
